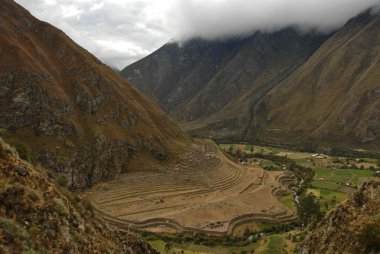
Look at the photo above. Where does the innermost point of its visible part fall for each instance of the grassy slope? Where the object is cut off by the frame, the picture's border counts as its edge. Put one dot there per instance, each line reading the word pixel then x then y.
pixel 333 94
pixel 331 100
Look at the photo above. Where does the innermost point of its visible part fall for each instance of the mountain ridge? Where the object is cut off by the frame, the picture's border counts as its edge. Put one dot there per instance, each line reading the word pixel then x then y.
pixel 233 108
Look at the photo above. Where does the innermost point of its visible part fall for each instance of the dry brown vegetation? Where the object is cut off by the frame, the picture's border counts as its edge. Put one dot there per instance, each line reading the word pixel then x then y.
pixel 37 216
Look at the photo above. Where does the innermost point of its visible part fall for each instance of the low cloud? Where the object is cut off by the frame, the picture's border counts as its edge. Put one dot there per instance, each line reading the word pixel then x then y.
pixel 122 32
pixel 224 18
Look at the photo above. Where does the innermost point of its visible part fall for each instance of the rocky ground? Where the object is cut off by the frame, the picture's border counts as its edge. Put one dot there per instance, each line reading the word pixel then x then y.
pixel 38 216
pixel 353 227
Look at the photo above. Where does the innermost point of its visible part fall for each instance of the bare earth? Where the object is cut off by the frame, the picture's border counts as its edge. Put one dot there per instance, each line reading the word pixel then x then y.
pixel 205 192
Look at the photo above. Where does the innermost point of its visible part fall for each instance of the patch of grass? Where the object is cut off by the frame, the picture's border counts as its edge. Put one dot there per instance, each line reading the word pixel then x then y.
pixel 325 192
pixel 275 245
pixel 301 162
pixel 322 172
pixel 355 172
pixel 340 178
pixel 269 163
pixel 288 201
pixel 261 226
pixel 191 248
pixel 325 185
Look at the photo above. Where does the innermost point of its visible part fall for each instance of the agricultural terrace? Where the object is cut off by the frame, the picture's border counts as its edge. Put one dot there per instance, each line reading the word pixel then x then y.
pixel 205 192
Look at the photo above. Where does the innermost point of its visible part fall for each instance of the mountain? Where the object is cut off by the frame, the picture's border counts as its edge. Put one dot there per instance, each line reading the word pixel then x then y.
pixel 285 87
pixel 36 216
pixel 61 107
pixel 352 227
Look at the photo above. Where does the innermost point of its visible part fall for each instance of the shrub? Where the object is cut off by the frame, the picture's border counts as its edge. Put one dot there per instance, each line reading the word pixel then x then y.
pixel 61 180
pixel 87 204
pixel 21 148
pixel 369 237
pixel 60 207
pixel 33 195
pixel 3 131
pixel 33 231
pixel 13 232
pixel 9 228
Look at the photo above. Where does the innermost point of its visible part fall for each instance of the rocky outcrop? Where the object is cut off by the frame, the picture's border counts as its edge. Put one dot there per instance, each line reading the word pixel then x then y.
pixel 71 113
pixel 352 227
pixel 37 216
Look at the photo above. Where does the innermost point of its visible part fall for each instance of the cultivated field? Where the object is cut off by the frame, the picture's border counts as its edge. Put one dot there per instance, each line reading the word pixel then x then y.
pixel 205 192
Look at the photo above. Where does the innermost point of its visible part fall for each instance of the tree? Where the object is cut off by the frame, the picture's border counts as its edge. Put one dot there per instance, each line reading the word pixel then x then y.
pixel 168 246
pixel 238 152
pixel 252 149
pixel 310 209
pixel 369 237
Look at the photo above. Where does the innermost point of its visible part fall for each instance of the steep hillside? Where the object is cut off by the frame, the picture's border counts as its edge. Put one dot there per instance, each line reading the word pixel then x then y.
pixel 334 97
pixel 352 227
pixel 279 88
pixel 63 108
pixel 38 217
pixel 200 78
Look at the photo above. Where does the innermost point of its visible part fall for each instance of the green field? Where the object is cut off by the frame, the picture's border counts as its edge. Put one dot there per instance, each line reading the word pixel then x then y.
pixel 271 244
pixel 275 245
pixel 325 185
pixel 269 163
pixel 288 201
pixel 190 248
pixel 327 195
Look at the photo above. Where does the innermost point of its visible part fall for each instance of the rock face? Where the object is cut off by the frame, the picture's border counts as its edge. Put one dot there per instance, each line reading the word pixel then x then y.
pixel 72 113
pixel 340 231
pixel 280 88
pixel 38 217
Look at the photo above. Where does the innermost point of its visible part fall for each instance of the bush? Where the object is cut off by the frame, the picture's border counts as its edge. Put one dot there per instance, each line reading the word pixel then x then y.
pixel 33 195
pixel 61 181
pixel 9 228
pixel 369 237
pixel 33 231
pixel 87 204
pixel 15 233
pixel 3 131
pixel 21 148
pixel 60 207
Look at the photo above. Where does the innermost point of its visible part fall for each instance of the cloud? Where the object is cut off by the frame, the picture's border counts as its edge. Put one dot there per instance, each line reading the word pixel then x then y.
pixel 117 32
pixel 121 32
pixel 224 18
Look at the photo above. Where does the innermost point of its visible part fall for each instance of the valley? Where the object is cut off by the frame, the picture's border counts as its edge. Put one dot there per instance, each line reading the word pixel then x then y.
pixel 266 142
pixel 341 177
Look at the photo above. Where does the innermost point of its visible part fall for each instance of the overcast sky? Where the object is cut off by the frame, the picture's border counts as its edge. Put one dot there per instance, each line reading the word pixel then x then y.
pixel 120 32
